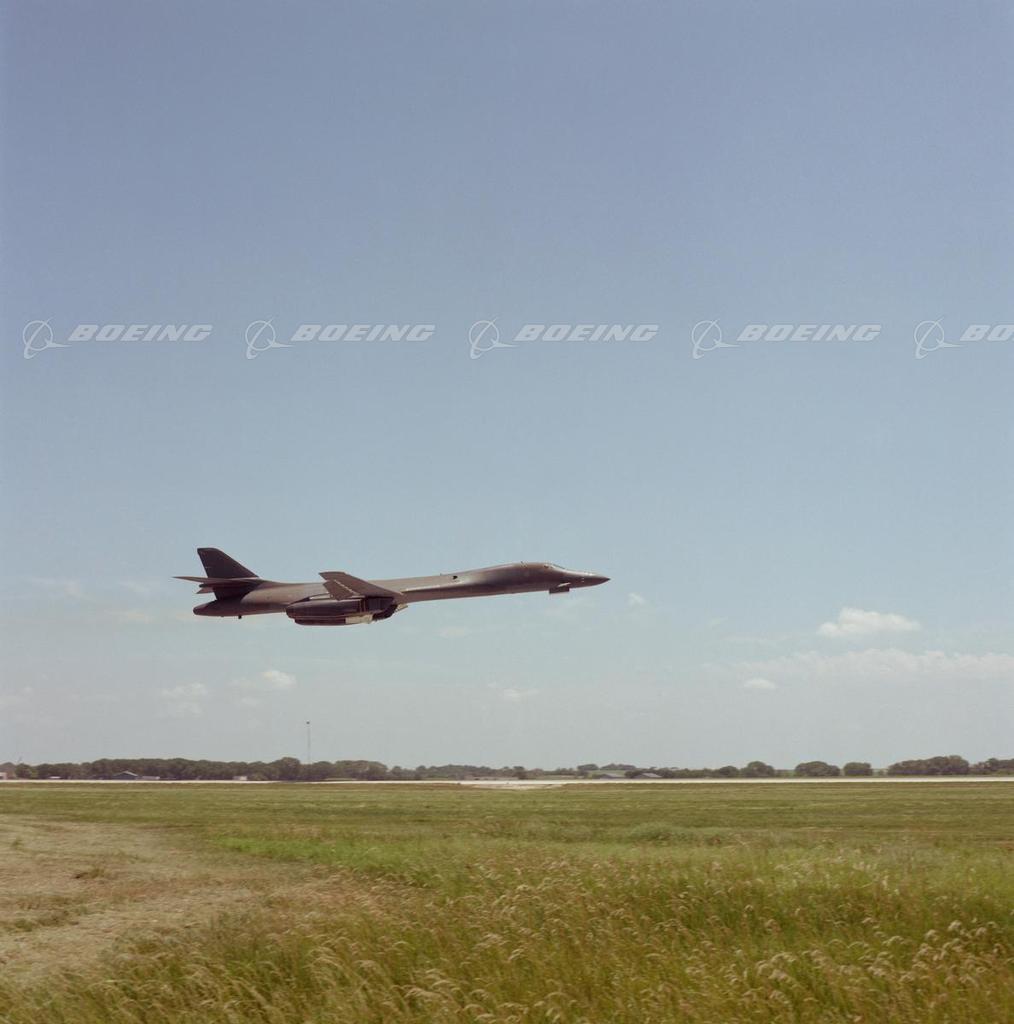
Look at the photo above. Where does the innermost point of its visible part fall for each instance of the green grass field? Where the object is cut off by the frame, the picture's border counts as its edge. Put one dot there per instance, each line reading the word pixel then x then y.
pixel 309 904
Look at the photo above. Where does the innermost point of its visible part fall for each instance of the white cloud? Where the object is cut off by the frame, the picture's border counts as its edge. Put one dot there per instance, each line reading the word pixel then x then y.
pixel 271 679
pixel 636 600
pixel 453 632
pixel 880 665
pixel 856 622
pixel 278 680
pixel 142 588
pixel 567 607
pixel 133 616
pixel 184 701
pixel 18 698
pixel 752 640
pixel 513 696
pixel 759 683
pixel 63 587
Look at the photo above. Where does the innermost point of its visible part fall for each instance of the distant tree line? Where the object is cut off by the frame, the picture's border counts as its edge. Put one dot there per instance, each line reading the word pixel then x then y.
pixel 952 764
pixel 290 769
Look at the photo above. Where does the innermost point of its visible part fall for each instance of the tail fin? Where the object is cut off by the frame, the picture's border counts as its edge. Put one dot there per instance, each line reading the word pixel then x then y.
pixel 219 565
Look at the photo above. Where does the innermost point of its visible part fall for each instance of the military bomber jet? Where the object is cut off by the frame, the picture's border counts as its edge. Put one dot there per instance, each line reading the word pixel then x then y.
pixel 345 600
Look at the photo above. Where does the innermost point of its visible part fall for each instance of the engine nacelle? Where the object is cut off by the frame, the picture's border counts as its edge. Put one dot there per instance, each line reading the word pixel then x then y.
pixel 345 612
pixel 325 608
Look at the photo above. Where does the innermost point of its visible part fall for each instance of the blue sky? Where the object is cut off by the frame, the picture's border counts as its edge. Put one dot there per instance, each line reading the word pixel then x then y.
pixel 582 163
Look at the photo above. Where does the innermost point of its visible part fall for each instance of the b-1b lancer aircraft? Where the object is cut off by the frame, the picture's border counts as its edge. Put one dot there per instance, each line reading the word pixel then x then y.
pixel 345 600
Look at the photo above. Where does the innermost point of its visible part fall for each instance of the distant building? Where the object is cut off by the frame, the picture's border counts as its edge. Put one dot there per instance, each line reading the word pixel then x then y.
pixel 126 776
pixel 240 778
pixel 7 770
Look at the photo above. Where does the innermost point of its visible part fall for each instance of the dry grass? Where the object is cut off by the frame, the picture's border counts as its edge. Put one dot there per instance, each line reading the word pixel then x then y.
pixel 73 893
pixel 436 906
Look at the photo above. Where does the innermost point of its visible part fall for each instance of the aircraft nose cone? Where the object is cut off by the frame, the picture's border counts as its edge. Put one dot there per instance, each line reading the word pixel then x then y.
pixel 594 580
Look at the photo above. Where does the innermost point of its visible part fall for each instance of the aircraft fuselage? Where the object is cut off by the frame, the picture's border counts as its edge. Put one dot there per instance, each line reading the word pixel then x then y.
pixel 346 603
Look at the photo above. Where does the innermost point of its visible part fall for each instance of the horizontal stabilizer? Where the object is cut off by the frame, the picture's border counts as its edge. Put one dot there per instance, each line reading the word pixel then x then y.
pixel 341 585
pixel 231 587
